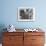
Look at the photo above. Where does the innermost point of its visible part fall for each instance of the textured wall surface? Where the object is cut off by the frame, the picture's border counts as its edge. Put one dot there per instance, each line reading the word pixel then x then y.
pixel 8 13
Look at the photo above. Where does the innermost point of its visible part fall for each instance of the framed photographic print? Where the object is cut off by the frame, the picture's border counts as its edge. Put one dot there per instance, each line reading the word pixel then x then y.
pixel 26 14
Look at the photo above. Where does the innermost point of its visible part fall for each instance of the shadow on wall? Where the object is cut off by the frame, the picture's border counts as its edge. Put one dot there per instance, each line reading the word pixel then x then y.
pixel 2 26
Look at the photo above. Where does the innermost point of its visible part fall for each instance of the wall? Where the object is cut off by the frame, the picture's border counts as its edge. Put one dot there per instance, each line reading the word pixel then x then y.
pixel 8 13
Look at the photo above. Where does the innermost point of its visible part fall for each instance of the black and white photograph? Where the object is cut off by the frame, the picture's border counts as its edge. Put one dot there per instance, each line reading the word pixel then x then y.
pixel 26 14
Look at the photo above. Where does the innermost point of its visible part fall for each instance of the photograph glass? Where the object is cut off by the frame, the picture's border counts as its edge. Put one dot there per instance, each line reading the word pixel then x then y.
pixel 26 14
